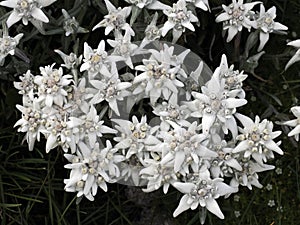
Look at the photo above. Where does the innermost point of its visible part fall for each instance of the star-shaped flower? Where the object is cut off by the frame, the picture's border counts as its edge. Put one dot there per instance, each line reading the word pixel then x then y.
pixel 294 123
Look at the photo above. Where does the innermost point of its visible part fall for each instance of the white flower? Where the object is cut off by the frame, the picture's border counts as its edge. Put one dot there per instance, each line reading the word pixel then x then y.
pixel 294 123
pixel 135 137
pixel 256 139
pixel 266 25
pixel 26 87
pixel 57 133
pixel 96 61
pixel 170 112
pixel 51 84
pixel 152 32
pixel 71 61
pixel 226 162
pixel 32 122
pixel 248 176
pixel 202 4
pixel 216 105
pixel 235 17
pixel 8 45
pixel 158 174
pixel 179 18
pixel 27 10
pixel 186 147
pixel 111 91
pixel 89 126
pixel 92 168
pixel 296 57
pixel 123 48
pixel 70 24
pixel 159 75
pixel 116 19
pixel 233 78
pixel 203 191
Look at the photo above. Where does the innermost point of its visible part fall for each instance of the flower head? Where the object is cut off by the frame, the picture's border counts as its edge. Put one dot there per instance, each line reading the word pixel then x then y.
pixel 27 10
pixel 235 17
pixel 294 123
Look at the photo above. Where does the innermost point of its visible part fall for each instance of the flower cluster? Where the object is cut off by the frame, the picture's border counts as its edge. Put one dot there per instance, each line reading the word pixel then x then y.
pixel 195 140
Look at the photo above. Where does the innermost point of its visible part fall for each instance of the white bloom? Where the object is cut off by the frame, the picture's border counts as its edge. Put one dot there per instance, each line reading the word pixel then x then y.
pixel 158 174
pixel 32 122
pixel 152 32
pixel 26 87
pixel 8 45
pixel 70 24
pixel 92 168
pixel 179 18
pixel 266 25
pixel 235 17
pixel 71 61
pixel 123 48
pixel 294 123
pixel 186 147
pixel 256 139
pixel 88 126
pixel 233 78
pixel 96 61
pixel 226 162
pixel 51 84
pixel 27 10
pixel 170 112
pixel 111 91
pixel 159 74
pixel 216 105
pixel 116 19
pixel 202 4
pixel 248 176
pixel 296 57
pixel 203 191
pixel 135 137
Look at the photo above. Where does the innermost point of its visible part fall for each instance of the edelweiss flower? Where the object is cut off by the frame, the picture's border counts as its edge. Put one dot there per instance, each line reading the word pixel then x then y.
pixel 71 61
pixel 294 123
pixel 233 78
pixel 215 104
pixel 296 57
pixel 235 17
pixel 248 175
pixel 152 32
pixel 185 147
pixel 135 137
pixel 8 45
pixel 116 19
pixel 226 162
pixel 26 87
pixel 96 61
pixel 111 91
pixel 266 25
pixel 179 18
pixel 202 191
pixel 89 126
pixel 27 10
pixel 158 174
pixel 58 133
pixel 92 168
pixel 123 48
pixel 170 112
pixel 32 122
pixel 160 73
pixel 202 4
pixel 70 24
pixel 256 139
pixel 51 84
